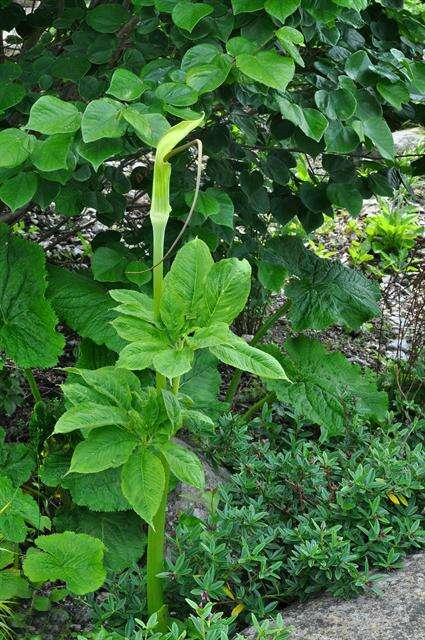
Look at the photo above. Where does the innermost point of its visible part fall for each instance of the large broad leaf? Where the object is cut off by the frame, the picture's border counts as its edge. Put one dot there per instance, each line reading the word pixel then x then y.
pixel 134 303
pixel 186 15
pixel 104 448
pixel 16 460
pixel 107 18
pixel 148 343
pixel 84 305
pixel 379 132
pixel 88 415
pixel 172 362
pixel 281 10
pixel 324 292
pixel 121 533
pixel 143 483
pixel 75 558
pixel 17 509
pixel 102 119
pixel 97 491
pixel 27 321
pixel 226 290
pixel 326 388
pixel 185 464
pixel 52 154
pixel 125 85
pixel 150 127
pixel 15 147
pixel 19 190
pixel 237 353
pixel 184 286
pixel 50 115
pixel 106 386
pixel 267 67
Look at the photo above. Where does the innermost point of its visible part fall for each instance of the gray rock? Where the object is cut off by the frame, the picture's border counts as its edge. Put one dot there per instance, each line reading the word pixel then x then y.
pixel 399 614
pixel 187 499
pixel 408 139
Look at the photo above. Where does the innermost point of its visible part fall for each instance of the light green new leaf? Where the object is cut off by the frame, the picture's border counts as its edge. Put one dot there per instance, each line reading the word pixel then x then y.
pixel 50 115
pixel 15 147
pixel 89 415
pixel 211 336
pixel 121 533
pixel 100 150
pixel 150 127
pixel 114 386
pixel 125 85
pixel 310 121
pixel 143 483
pixel 183 289
pixel 237 353
pixel 326 386
pixel 185 464
pixel 27 321
pixel 226 290
pixel 139 355
pixel 51 154
pixel 19 190
pixel 207 77
pixel 281 9
pixel 379 132
pixel 177 94
pixel 173 362
pixel 134 329
pixel 104 448
pixel 288 38
pixel 267 67
pixel 103 119
pixel 246 6
pixel 134 303
pixel 16 510
pixel 186 15
pixel 75 558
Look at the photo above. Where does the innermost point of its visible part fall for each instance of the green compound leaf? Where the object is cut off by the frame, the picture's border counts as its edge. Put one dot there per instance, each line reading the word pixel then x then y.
pixel 75 558
pixel 125 85
pixel 143 482
pixel 17 509
pixel 324 292
pixel 15 147
pixel 186 15
pixel 184 285
pixel 185 464
pixel 267 67
pixel 27 321
pixel 226 290
pixel 121 533
pixel 51 115
pixel 104 448
pixel 237 353
pixel 89 415
pixel 327 389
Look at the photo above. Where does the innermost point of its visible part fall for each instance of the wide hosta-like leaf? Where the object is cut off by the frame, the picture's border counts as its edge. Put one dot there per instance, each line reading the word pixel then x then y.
pixel 84 305
pixel 75 558
pixel 326 388
pixel 97 491
pixel 121 533
pixel 324 292
pixel 27 320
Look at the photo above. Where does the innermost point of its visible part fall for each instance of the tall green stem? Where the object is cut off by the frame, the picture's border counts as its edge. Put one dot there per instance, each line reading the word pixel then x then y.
pixel 33 385
pixel 160 209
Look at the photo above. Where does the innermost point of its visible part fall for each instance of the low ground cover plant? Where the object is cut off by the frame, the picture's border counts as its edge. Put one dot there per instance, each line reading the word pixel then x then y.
pixel 195 134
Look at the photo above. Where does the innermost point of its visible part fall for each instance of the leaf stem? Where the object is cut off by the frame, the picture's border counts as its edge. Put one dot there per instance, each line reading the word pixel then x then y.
pixel 36 394
pixel 270 397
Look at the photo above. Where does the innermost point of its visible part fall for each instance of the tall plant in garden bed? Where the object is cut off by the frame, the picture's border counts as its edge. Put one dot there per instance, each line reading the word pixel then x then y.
pixel 298 100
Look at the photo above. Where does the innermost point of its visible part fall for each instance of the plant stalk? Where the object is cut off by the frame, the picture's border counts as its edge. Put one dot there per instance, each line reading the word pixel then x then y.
pixel 36 394
pixel 257 406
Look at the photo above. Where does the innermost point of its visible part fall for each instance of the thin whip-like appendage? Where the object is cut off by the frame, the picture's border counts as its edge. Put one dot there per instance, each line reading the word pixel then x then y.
pixel 195 199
